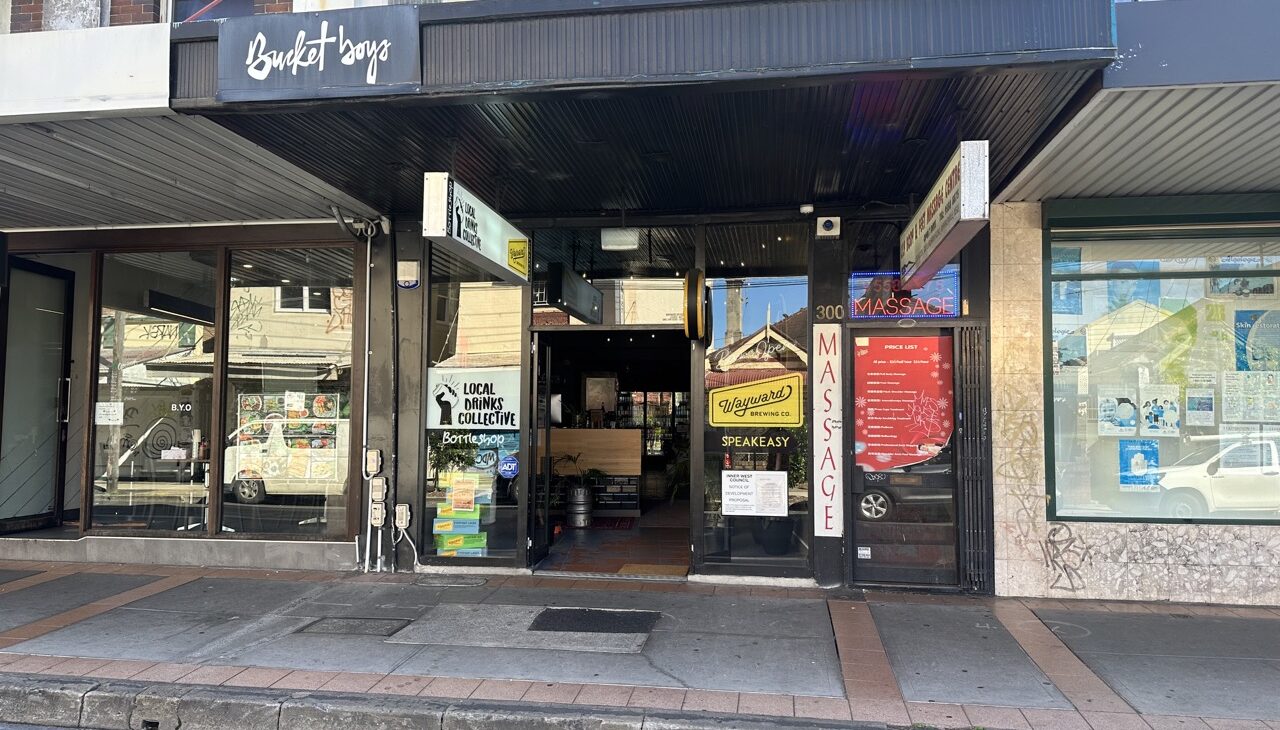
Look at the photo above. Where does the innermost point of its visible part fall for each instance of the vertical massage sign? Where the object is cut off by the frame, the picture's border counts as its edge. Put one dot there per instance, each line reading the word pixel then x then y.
pixel 310 55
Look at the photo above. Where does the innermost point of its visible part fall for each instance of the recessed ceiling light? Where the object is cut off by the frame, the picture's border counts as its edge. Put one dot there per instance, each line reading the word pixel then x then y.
pixel 248 266
pixel 284 281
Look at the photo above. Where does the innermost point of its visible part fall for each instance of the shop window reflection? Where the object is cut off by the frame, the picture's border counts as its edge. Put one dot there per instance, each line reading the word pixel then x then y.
pixel 154 392
pixel 1166 385
pixel 288 445
pixel 759 353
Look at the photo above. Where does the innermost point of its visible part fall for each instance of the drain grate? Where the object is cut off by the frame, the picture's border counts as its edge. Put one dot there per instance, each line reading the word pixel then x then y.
pixel 450 581
pixel 355 626
pixel 595 621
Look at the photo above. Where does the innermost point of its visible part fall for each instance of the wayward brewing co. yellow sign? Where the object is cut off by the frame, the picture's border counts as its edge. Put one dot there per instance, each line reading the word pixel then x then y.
pixel 771 403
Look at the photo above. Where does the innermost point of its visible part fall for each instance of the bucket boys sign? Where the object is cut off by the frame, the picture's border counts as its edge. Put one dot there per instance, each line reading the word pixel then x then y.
pixel 365 51
pixel 473 399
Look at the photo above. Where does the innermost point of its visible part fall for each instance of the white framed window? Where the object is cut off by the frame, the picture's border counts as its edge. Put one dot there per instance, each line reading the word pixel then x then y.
pixel 302 299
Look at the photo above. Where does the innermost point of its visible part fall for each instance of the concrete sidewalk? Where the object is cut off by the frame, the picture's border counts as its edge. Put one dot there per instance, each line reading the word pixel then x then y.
pixel 560 650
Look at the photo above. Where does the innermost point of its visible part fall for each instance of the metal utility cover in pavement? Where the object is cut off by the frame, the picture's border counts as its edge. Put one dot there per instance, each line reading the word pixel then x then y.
pixel 355 626
pixel 595 620
pixel 449 581
pixel 508 627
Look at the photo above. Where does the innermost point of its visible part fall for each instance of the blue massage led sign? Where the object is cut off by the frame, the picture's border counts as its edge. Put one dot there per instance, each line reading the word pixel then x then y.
pixel 877 295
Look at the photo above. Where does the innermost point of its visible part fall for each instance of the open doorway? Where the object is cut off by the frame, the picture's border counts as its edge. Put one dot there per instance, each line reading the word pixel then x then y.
pixel 613 449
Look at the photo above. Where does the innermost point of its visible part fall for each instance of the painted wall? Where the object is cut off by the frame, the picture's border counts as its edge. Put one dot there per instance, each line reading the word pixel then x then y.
pixel 1237 564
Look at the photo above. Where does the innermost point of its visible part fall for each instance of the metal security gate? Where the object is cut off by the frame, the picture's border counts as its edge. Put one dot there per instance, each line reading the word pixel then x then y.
pixel 975 523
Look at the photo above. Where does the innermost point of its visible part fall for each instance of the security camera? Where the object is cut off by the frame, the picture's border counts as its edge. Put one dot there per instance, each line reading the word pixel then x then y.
pixel 828 227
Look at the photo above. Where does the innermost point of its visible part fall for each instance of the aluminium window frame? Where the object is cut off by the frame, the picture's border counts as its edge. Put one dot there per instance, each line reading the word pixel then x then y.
pixel 1101 221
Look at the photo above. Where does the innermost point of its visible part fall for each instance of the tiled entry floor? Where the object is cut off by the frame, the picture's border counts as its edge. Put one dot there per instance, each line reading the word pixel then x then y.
pixel 657 544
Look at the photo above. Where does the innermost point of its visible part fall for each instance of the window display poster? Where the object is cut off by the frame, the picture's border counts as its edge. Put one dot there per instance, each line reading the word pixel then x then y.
pixel 1123 291
pixel 1139 465
pixel 1251 396
pixel 1117 411
pixel 1202 378
pixel 753 493
pixel 1200 407
pixel 1161 414
pixel 1066 295
pixel 1257 339
pixel 108 413
pixel 902 400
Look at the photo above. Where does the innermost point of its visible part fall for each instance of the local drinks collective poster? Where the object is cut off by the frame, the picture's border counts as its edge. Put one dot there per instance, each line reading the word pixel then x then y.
pixel 903 396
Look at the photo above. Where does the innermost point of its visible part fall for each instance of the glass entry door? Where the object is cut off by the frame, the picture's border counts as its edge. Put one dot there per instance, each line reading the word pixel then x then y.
pixel 540 485
pixel 904 485
pixel 37 321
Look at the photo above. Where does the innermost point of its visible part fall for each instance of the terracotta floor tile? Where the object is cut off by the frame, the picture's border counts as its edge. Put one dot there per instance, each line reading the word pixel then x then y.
pixel 77 667
pixel 7 657
pixel 1174 722
pixel 33 664
pixel 164 672
pixel 754 703
pixel 703 700
pixel 119 669
pixel 1117 721
pixel 661 698
pixel 890 712
pixel 211 674
pixel 552 692
pixel 604 695
pixel 1005 718
pixel 878 689
pixel 455 687
pixel 822 708
pixel 1055 720
pixel 302 679
pixel 352 682
pixel 399 684
pixel 501 689
pixel 937 714
pixel 257 677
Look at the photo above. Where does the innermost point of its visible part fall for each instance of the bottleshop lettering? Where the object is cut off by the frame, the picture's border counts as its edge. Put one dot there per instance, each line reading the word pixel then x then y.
pixel 305 53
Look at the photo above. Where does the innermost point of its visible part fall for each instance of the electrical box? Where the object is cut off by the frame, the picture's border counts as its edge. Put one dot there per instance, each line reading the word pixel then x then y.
pixel 377 514
pixel 372 461
pixel 378 489
pixel 402 516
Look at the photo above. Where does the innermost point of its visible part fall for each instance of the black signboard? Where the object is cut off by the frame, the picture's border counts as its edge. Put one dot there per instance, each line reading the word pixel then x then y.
pixel 359 52
pixel 569 292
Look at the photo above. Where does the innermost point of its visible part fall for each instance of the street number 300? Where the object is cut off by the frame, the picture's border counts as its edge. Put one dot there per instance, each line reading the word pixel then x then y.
pixel 830 311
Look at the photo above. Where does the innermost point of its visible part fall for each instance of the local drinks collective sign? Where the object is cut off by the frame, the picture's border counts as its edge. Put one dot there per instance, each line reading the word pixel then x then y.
pixel 902 403
pixel 473 399
pixel 359 52
pixel 458 219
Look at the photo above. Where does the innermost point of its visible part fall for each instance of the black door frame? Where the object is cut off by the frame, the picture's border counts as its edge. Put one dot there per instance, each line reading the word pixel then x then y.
pixel 538 542
pixel 54 518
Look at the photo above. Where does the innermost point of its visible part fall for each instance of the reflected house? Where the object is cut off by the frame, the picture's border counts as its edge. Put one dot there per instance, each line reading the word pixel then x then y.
pixel 1109 331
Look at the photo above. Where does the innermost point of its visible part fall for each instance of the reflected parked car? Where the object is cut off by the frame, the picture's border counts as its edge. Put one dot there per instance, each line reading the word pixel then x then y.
pixel 884 493
pixel 1241 475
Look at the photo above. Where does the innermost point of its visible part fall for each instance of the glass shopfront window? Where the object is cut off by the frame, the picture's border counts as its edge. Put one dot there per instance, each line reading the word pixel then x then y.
pixel 1166 378
pixel 288 397
pixel 756 444
pixel 154 392
pixel 474 406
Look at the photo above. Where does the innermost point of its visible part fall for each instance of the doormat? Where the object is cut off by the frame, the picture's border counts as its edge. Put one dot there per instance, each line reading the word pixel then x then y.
pixel 613 523
pixel 647 569
pixel 595 621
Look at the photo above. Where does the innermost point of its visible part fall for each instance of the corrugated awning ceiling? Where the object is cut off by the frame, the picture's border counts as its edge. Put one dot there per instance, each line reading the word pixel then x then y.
pixel 1167 141
pixel 153 170
pixel 673 149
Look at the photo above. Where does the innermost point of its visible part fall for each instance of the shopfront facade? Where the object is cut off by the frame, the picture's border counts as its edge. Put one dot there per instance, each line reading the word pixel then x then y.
pixel 421 374
pixel 1131 306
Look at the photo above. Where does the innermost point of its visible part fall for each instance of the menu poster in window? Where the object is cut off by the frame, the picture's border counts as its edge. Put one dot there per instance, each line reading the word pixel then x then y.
pixel 1139 465
pixel 753 493
pixel 903 395
pixel 1117 411
pixel 474 399
pixel 1161 414
pixel 1200 406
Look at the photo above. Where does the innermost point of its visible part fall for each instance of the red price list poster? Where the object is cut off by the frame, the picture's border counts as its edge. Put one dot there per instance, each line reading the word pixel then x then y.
pixel 902 400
